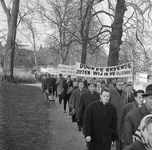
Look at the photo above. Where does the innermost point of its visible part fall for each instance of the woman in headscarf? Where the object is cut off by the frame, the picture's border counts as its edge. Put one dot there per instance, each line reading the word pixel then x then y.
pixel 143 136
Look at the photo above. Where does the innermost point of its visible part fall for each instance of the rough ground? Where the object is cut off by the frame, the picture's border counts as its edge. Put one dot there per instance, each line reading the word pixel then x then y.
pixel 24 117
pixel 27 122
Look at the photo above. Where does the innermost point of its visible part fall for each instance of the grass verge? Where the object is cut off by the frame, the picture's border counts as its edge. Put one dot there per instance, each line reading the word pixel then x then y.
pixel 25 117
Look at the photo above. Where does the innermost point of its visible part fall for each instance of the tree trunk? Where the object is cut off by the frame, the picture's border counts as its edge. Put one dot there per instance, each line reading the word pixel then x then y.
pixel 35 56
pixel 10 46
pixel 85 14
pixel 116 34
pixel 84 52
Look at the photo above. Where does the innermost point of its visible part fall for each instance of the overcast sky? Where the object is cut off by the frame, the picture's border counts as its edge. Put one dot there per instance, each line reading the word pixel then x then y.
pixel 42 29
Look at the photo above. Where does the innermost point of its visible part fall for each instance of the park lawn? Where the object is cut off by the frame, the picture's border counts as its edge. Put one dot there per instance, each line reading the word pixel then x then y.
pixel 25 116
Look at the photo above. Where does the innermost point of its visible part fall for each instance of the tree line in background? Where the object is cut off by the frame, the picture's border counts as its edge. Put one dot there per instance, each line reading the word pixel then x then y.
pixel 80 30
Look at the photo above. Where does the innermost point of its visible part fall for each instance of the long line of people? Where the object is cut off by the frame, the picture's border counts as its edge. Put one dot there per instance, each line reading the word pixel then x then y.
pixel 108 116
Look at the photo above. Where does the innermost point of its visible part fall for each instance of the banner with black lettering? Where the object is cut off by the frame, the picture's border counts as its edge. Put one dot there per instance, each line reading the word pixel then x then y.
pixel 66 70
pixel 124 70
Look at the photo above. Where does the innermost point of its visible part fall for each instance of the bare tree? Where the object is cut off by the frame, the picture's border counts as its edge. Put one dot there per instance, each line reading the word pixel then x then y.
pixel 60 18
pixel 31 36
pixel 79 22
pixel 12 16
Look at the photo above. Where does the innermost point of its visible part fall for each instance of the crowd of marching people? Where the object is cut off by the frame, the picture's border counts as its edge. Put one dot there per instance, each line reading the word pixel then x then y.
pixel 107 115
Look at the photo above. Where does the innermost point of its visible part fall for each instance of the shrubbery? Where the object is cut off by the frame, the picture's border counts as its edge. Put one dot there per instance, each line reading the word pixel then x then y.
pixel 23 75
pixel 22 79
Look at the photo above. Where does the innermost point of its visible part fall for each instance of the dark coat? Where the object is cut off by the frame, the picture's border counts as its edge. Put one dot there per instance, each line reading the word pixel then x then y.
pixel 75 100
pixel 66 85
pixel 131 98
pixel 55 86
pixel 86 99
pixel 137 145
pixel 119 101
pixel 132 122
pixel 48 84
pixel 85 83
pixel 100 124
pixel 44 83
pixel 129 107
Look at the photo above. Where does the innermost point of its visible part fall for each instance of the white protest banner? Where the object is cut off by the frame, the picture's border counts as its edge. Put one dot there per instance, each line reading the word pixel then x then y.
pixel 124 70
pixel 52 71
pixel 66 70
pixel 49 70
pixel 43 69
pixel 140 80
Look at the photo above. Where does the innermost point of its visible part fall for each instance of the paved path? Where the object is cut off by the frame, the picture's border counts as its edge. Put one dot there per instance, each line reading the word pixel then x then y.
pixel 64 133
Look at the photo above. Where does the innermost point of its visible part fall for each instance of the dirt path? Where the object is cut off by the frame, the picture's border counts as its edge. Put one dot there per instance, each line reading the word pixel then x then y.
pixel 64 133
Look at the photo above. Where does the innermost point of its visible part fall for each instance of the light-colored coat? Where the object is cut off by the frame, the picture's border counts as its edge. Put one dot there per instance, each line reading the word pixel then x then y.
pixel 132 122
pixel 129 107
pixel 119 101
pixel 111 86
pixel 59 84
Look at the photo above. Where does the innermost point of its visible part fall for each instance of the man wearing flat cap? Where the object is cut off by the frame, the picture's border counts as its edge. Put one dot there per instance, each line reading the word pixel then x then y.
pixel 134 117
pixel 87 98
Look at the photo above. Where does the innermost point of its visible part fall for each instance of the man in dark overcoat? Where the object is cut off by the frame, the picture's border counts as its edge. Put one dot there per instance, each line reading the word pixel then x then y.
pixel 75 100
pixel 48 84
pixel 129 107
pixel 118 98
pixel 54 86
pixel 130 93
pixel 87 98
pixel 134 117
pixel 100 123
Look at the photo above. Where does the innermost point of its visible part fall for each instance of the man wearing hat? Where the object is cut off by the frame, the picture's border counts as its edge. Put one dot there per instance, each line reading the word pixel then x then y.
pixel 134 117
pixel 118 98
pixel 87 98
pixel 113 84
